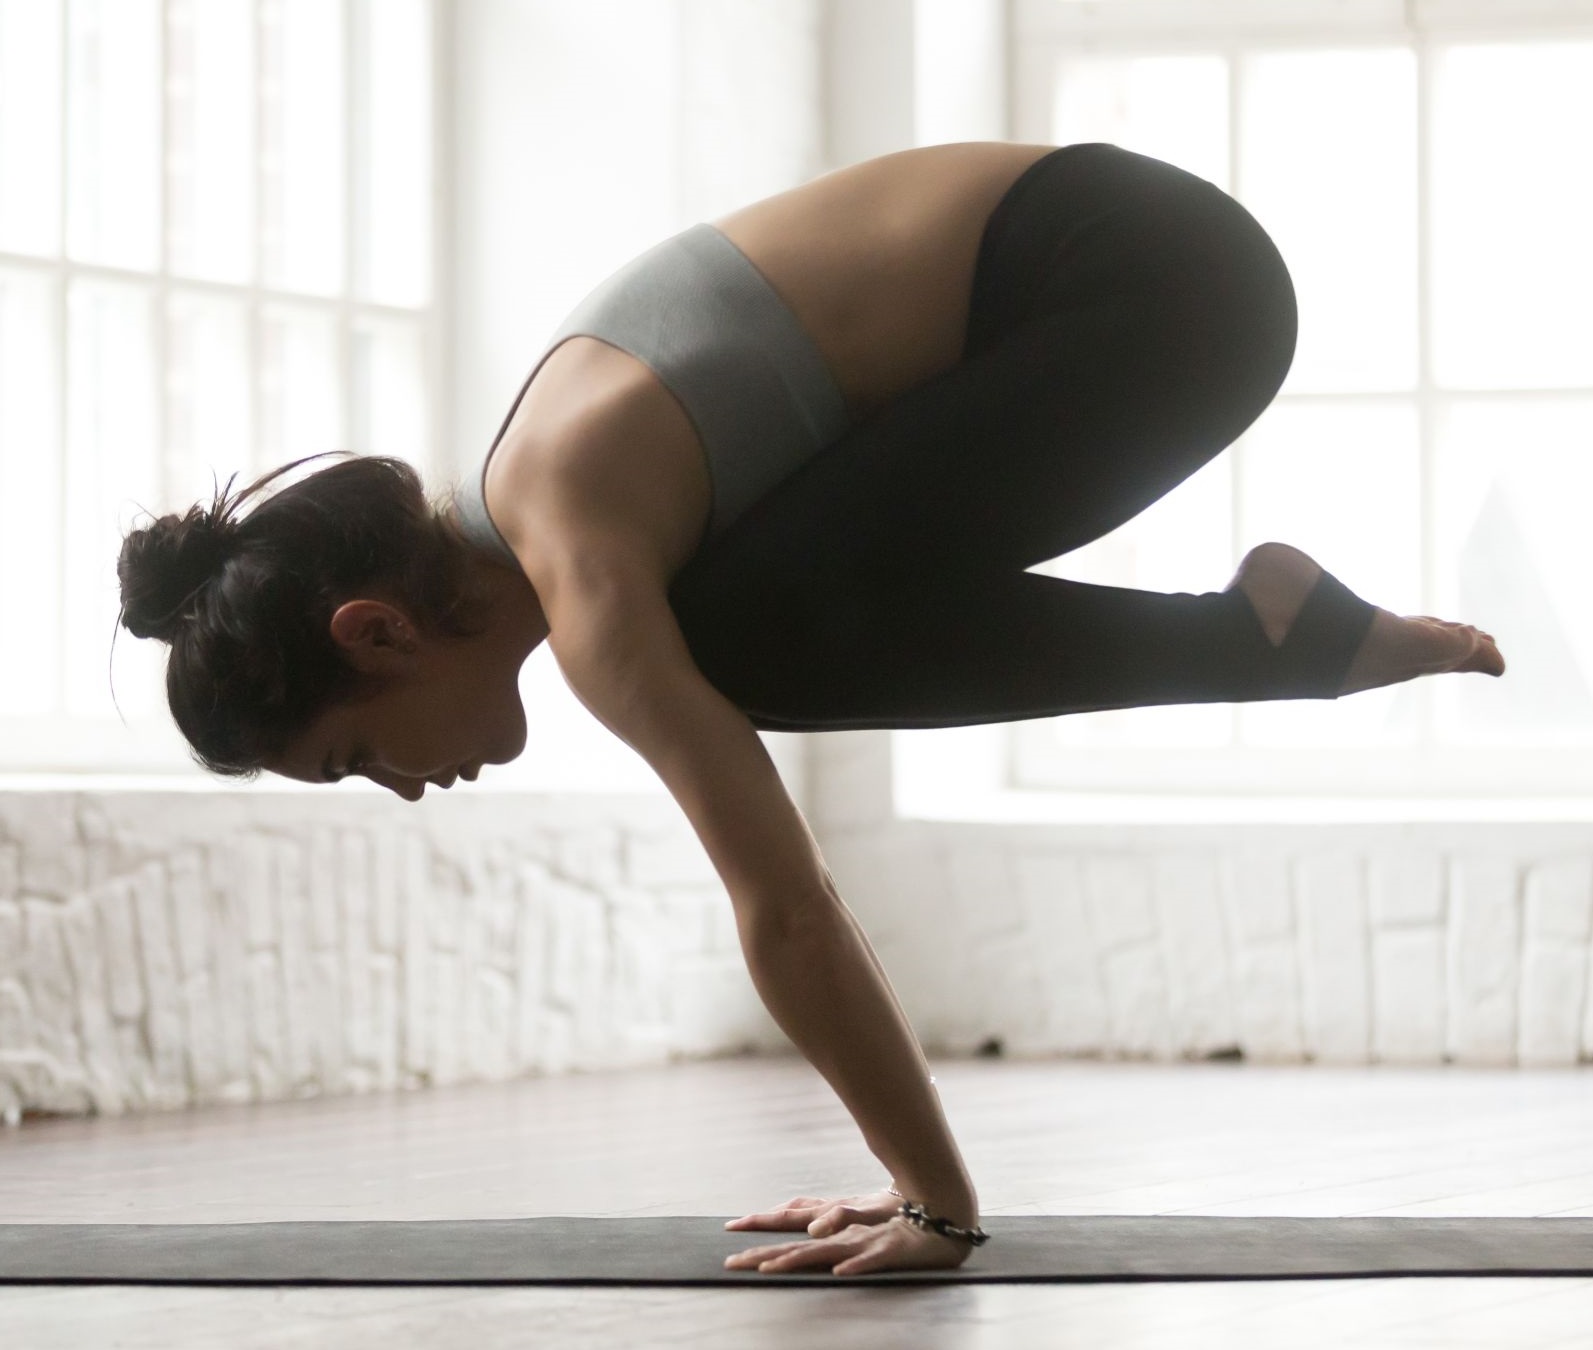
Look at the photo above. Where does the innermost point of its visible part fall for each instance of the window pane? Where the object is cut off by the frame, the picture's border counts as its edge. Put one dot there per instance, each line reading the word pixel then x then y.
pixel 301 170
pixel 1515 477
pixel 210 152
pixel 1181 543
pixel 208 410
pixel 30 492
pixel 393 259
pixel 1338 194
pixel 30 125
pixel 1513 216
pixel 1172 107
pixel 111 472
pixel 391 416
pixel 1341 481
pixel 300 411
pixel 114 150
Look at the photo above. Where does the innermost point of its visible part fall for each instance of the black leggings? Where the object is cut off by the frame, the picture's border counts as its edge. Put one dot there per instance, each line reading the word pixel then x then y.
pixel 1128 321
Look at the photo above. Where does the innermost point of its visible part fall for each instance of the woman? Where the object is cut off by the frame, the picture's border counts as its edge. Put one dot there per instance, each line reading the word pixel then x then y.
pixel 787 471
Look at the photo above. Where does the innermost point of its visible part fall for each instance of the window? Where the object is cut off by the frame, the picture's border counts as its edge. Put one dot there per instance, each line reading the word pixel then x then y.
pixel 216 255
pixel 1423 167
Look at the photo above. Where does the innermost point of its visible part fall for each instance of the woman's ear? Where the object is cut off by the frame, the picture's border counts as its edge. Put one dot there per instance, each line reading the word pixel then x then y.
pixel 372 633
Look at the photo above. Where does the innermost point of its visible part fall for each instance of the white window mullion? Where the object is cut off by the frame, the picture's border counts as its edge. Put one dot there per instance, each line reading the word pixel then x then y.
pixel 1426 388
pixel 162 307
pixel 446 458
pixel 355 108
pixel 62 339
pixel 252 463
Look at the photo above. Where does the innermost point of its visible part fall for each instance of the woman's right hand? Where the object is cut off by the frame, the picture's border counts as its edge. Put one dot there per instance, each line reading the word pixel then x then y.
pixel 820 1217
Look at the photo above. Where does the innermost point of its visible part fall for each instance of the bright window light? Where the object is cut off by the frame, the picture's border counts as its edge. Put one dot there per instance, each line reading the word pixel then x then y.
pixel 220 297
pixel 1433 445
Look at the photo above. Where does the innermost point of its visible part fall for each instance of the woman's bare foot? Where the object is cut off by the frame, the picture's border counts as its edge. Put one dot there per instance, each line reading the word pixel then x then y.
pixel 1276 579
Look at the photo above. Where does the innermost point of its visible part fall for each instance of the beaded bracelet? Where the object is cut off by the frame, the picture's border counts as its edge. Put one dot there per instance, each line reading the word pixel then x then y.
pixel 920 1217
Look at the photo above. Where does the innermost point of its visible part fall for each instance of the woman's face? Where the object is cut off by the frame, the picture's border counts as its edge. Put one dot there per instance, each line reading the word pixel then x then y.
pixel 441 708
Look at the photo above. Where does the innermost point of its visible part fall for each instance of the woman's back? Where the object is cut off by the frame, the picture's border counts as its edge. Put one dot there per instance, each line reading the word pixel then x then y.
pixel 875 262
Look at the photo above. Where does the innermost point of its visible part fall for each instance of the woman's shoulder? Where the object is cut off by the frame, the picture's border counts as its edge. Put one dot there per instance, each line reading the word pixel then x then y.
pixel 604 452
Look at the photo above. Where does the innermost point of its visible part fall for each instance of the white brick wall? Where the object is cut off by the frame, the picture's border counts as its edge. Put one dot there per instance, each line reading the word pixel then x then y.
pixel 162 949
pixel 1400 942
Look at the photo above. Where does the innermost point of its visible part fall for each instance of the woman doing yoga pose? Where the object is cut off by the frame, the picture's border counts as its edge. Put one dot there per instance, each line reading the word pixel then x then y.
pixel 788 470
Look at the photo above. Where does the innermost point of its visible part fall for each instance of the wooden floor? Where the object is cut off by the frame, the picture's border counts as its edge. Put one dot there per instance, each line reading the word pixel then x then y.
pixel 723 1138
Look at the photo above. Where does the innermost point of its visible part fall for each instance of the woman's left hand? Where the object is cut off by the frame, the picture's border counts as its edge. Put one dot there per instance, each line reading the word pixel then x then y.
pixel 857 1250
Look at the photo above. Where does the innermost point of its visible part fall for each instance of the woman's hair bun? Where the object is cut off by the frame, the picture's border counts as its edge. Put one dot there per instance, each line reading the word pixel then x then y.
pixel 165 565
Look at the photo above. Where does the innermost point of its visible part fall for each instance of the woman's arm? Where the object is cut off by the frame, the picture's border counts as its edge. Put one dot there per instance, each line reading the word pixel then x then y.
pixel 619 647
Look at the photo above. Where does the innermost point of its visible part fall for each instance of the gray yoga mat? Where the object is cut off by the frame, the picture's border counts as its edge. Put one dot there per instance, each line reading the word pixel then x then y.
pixel 690 1251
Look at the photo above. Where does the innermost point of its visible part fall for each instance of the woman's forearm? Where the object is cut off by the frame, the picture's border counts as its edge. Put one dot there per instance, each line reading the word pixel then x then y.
pixel 820 979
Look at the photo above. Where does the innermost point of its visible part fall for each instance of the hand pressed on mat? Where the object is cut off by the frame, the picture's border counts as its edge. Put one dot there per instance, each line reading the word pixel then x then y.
pixel 857 1249
pixel 819 1217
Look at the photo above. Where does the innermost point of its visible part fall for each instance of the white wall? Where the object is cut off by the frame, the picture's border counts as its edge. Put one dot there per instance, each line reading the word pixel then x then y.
pixel 167 949
pixel 1348 941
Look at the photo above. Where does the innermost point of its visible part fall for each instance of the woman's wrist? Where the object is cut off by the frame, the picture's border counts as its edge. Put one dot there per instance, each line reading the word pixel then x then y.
pixel 960 1207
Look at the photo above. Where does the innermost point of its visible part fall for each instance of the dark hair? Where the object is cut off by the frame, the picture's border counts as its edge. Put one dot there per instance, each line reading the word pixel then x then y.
pixel 245 598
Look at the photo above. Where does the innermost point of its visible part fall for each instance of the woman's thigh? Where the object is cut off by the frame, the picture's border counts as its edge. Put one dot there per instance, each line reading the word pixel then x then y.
pixel 1128 323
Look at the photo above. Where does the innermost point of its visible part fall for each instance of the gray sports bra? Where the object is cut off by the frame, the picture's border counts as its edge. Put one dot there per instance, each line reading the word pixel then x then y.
pixel 705 321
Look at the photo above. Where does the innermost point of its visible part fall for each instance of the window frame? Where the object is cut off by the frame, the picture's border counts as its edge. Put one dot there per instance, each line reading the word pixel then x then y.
pixel 1044 32
pixel 144 742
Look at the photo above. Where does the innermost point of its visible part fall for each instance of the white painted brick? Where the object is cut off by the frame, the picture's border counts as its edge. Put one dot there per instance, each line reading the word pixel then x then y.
pixel 1405 889
pixel 190 910
pixel 1334 959
pixel 382 859
pixel 291 892
pixel 489 1041
pixel 384 1007
pixel 230 980
pixel 138 1085
pixel 1484 975
pixel 590 857
pixel 1070 988
pixel 11 964
pixel 1408 995
pixel 16 1018
pixel 10 870
pixel 674 858
pixel 1559 900
pixel 358 1013
pixel 123 964
pixel 415 922
pixel 1260 898
pixel 324 886
pixel 576 950
pixel 257 874
pixel 52 995
pixel 326 1023
pixel 205 1074
pixel 982 885
pixel 1553 990
pixel 1136 1001
pixel 1267 981
pixel 268 1040
pixel 1119 893
pixel 714 1006
pixel 1194 953
pixel 103 1071
pixel 446 1016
